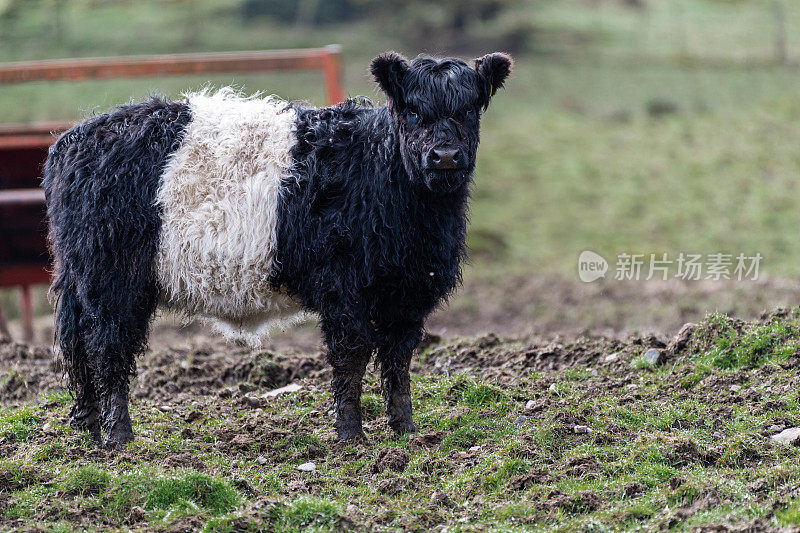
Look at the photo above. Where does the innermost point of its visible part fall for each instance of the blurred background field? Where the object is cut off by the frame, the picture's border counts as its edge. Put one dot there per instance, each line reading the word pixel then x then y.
pixel 638 126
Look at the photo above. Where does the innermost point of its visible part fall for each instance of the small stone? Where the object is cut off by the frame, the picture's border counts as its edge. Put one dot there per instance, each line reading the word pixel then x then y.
pixel 136 514
pixel 474 448
pixel 653 357
pixel 520 420
pixel 632 386
pixel 262 460
pixel 292 387
pixel 613 358
pixel 736 388
pixel 253 402
pixel 788 436
pixel 166 408
pixel 681 340
pixel 351 510
pixel 307 467
pixel 594 373
pixel 241 441
pixel 580 430
pixel 530 405
pixel 776 428
pixel 46 427
pixel 296 485
pixel 441 499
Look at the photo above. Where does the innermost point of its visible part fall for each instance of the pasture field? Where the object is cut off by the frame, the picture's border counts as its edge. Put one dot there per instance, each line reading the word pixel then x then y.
pixel 613 138
pixel 516 434
pixel 609 152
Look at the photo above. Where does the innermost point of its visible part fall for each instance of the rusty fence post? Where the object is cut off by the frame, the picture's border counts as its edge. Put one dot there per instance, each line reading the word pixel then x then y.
pixel 26 312
pixel 4 324
pixel 334 74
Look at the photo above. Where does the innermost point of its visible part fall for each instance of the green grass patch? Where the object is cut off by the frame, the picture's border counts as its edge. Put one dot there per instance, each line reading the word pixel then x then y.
pixel 18 425
pixel 192 490
pixel 725 343
pixel 87 480
pixel 309 514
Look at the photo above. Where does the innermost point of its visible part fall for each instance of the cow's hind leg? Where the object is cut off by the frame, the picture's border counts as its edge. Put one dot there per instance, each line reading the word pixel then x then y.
pixel 348 354
pixel 113 346
pixel 394 356
pixel 101 182
pixel 118 292
pixel 85 413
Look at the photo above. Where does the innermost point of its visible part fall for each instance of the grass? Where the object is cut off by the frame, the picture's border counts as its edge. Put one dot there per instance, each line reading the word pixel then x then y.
pixel 659 454
pixel 571 158
pixel 19 425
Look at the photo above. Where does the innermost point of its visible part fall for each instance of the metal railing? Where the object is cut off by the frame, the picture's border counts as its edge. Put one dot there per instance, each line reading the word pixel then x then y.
pixel 24 258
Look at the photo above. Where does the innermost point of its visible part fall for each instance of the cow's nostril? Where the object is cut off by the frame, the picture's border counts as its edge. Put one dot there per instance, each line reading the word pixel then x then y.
pixel 446 158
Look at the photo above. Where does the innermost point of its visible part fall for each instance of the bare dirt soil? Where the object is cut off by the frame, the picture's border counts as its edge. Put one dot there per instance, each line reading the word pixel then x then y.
pixel 565 433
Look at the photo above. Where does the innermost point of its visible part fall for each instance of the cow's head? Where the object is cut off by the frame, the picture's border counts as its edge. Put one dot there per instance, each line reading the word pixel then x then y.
pixel 437 105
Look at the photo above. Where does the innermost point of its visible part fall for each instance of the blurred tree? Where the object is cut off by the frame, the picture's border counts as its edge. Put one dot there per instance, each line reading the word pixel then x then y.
pixel 307 12
pixel 9 13
pixel 58 19
pixel 436 25
pixel 462 25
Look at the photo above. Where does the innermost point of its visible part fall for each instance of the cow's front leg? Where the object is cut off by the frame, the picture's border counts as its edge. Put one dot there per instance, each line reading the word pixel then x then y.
pixel 348 354
pixel 347 378
pixel 85 412
pixel 116 419
pixel 394 356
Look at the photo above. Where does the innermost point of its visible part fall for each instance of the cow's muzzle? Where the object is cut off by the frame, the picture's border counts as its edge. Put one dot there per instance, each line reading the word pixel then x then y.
pixel 445 158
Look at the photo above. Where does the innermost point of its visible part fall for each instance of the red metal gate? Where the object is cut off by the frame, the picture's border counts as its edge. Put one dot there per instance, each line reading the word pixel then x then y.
pixel 24 258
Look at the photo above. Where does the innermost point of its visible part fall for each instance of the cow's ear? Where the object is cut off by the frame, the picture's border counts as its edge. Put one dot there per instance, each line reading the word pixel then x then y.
pixel 493 70
pixel 389 69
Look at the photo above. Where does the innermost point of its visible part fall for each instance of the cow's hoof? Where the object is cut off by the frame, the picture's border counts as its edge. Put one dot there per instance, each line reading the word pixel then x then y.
pixel 352 435
pixel 402 427
pixel 116 440
pixel 86 420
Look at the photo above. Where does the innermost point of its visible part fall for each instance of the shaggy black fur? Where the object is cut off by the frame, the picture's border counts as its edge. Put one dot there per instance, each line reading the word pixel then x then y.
pixel 371 233
pixel 371 230
pixel 100 181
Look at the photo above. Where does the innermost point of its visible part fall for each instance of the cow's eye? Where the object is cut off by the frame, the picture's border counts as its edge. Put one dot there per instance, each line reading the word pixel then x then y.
pixel 470 113
pixel 412 115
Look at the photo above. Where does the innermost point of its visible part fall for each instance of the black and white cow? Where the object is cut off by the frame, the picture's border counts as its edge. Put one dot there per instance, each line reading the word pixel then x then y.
pixel 252 211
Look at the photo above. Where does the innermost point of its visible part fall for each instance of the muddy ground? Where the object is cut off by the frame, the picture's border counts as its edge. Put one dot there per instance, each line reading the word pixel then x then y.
pixel 528 432
pixel 538 304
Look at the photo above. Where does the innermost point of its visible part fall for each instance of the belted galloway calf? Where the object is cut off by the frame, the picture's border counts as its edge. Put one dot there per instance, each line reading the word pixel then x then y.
pixel 252 211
